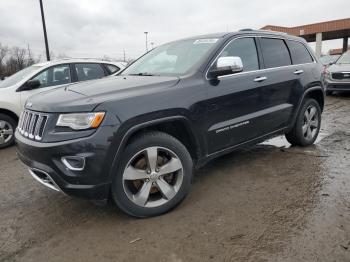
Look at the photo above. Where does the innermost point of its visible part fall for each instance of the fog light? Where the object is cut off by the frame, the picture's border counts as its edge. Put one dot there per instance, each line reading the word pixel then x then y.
pixel 74 163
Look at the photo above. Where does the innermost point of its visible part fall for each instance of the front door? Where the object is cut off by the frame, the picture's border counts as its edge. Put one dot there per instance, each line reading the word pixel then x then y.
pixel 49 78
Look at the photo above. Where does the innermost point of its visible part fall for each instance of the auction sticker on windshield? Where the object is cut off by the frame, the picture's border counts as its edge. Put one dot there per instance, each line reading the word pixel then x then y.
pixel 205 41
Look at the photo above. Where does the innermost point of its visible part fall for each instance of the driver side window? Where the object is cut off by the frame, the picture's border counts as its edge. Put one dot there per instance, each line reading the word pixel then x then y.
pixel 244 48
pixel 53 76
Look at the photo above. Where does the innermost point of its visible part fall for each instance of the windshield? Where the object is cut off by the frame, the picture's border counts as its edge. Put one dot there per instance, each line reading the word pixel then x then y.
pixel 172 59
pixel 344 59
pixel 328 59
pixel 15 78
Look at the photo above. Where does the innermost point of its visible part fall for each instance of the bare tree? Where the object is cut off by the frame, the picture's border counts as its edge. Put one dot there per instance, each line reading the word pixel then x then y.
pixel 3 54
pixel 19 55
pixel 15 59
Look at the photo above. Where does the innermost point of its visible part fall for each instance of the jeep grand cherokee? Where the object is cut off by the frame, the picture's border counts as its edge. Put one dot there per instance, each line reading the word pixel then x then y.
pixel 136 137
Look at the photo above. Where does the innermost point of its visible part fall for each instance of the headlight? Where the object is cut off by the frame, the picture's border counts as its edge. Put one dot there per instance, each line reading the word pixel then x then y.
pixel 79 121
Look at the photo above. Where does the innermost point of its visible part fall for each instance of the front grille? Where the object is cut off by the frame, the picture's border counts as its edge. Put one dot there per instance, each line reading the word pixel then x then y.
pixel 341 75
pixel 32 124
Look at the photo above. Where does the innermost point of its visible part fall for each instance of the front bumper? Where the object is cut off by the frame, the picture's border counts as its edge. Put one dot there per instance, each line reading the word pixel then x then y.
pixel 45 163
pixel 332 85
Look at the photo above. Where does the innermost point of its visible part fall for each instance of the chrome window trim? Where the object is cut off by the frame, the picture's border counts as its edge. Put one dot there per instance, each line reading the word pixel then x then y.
pixel 259 70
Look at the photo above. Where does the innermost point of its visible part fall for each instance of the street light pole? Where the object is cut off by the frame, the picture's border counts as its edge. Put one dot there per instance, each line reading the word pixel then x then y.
pixel 44 28
pixel 146 33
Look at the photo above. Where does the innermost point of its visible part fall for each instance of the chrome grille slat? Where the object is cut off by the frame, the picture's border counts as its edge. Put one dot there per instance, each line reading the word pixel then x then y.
pixel 36 131
pixel 25 115
pixel 28 124
pixel 32 124
pixel 20 121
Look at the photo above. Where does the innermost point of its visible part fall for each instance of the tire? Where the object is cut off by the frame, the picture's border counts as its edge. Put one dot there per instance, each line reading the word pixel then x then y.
pixel 307 124
pixel 165 190
pixel 7 130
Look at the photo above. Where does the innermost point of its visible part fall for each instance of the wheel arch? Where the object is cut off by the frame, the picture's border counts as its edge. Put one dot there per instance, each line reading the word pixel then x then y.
pixel 315 92
pixel 9 113
pixel 176 126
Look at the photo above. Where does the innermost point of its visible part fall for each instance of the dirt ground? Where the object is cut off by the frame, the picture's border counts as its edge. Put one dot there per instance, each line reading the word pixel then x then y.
pixel 267 203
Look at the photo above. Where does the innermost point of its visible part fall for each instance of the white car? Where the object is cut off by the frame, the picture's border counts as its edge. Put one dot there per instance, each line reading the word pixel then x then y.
pixel 15 90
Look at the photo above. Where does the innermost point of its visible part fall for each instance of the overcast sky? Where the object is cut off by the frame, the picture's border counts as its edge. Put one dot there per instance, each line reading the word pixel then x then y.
pixel 94 28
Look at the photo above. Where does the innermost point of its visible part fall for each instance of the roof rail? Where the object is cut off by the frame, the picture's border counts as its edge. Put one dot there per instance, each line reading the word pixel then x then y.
pixel 246 29
pixel 82 58
pixel 272 31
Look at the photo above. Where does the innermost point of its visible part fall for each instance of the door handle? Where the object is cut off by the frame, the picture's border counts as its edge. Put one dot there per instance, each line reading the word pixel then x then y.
pixel 260 79
pixel 298 72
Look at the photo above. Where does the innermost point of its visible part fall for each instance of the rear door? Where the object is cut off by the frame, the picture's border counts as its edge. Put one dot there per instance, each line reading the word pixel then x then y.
pixel 280 86
pixel 304 64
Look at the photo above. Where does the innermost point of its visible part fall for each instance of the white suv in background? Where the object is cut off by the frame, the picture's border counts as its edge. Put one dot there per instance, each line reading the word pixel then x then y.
pixel 15 90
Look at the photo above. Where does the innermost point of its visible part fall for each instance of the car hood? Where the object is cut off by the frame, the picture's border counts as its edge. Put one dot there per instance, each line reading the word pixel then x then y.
pixel 85 96
pixel 339 68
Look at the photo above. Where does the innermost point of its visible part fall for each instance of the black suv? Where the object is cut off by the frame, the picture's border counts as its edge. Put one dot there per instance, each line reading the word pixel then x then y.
pixel 136 137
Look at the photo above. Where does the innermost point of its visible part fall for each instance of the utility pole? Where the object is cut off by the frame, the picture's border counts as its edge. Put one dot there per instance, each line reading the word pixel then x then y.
pixel 44 28
pixel 152 45
pixel 124 55
pixel 146 33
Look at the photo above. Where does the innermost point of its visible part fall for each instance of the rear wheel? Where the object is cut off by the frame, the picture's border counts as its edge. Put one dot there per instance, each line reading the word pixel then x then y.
pixel 154 175
pixel 7 130
pixel 307 125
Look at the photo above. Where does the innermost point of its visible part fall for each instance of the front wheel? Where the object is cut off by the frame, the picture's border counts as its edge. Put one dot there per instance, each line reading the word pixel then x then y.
pixel 307 124
pixel 7 130
pixel 154 175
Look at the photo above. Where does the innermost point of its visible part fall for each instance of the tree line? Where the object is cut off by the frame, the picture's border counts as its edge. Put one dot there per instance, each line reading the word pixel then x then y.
pixel 13 59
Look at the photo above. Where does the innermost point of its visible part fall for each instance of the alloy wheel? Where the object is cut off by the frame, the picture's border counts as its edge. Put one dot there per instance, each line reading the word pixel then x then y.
pixel 311 123
pixel 153 177
pixel 6 132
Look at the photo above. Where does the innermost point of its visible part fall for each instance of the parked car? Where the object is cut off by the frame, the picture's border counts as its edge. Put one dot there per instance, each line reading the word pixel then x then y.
pixel 136 137
pixel 15 90
pixel 337 75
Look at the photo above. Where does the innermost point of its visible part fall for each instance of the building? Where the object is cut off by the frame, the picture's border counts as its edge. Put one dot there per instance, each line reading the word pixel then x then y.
pixel 336 29
pixel 337 51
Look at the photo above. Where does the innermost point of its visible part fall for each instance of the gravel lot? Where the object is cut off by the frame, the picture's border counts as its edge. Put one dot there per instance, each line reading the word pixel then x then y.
pixel 266 203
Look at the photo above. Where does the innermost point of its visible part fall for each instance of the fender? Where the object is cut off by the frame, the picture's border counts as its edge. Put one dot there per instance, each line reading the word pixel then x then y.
pixel 307 91
pixel 143 125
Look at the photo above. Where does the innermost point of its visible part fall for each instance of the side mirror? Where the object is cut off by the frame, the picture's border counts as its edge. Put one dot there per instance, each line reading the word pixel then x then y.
pixel 226 65
pixel 30 84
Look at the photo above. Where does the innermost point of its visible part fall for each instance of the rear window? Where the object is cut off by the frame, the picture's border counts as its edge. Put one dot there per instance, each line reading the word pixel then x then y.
pixel 299 53
pixel 89 71
pixel 275 52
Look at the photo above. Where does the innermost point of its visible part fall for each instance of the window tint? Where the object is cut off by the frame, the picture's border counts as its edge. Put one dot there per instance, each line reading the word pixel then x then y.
pixel 19 76
pixel 53 76
pixel 112 68
pixel 89 71
pixel 299 53
pixel 275 52
pixel 174 58
pixel 244 48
